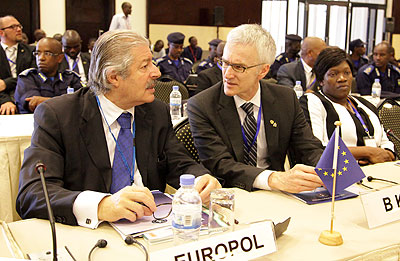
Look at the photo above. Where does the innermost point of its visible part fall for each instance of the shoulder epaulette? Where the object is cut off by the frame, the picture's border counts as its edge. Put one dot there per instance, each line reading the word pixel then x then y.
pixel 27 71
pixel 187 60
pixel 279 57
pixel 203 63
pixel 369 69
pixel 160 60
pixel 396 69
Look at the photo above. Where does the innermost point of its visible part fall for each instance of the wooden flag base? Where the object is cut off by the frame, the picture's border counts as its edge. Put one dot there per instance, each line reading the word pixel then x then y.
pixel 330 239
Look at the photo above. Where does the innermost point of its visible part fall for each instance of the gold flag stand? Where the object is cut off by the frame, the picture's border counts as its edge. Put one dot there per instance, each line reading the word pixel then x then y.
pixel 330 237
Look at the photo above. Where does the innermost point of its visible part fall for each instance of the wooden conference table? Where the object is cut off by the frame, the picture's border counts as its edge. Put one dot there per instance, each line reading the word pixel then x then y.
pixel 299 242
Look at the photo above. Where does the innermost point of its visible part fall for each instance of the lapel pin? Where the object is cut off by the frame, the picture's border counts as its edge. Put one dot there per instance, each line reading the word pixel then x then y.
pixel 271 121
pixel 275 125
pixel 22 50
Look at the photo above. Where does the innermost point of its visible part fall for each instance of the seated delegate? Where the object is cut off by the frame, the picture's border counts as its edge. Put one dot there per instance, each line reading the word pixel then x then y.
pixel 361 128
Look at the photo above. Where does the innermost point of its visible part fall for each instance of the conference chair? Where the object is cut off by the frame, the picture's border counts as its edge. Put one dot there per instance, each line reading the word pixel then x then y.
pixel 389 114
pixel 184 135
pixel 163 89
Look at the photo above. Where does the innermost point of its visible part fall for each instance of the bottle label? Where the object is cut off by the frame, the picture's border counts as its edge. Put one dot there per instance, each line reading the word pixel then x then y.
pixel 175 102
pixel 184 218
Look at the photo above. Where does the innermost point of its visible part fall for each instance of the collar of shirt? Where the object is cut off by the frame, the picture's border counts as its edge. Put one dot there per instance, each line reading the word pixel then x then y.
pixel 306 67
pixel 44 78
pixel 71 60
pixel 6 46
pixel 255 100
pixel 111 111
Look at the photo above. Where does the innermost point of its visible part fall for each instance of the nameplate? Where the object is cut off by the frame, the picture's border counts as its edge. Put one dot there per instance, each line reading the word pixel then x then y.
pixel 382 206
pixel 254 241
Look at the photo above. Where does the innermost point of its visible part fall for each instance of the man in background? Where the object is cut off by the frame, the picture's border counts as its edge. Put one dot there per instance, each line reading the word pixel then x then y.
pixel 210 61
pixel 173 64
pixel 193 52
pixel 244 126
pixel 301 70
pixel 158 49
pixel 291 54
pixel 35 86
pixel 122 21
pixel 14 58
pixel 74 59
pixel 38 34
pixel 357 49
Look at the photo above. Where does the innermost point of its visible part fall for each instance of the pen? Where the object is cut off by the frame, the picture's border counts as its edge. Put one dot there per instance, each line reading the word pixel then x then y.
pixel 69 252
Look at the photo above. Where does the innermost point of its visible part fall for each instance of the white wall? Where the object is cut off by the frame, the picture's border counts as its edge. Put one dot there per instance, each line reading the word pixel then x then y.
pixel 52 16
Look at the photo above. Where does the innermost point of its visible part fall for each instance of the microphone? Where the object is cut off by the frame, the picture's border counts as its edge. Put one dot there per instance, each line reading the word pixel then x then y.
pixel 101 243
pixel 129 240
pixel 362 184
pixel 370 178
pixel 40 169
pixel 390 133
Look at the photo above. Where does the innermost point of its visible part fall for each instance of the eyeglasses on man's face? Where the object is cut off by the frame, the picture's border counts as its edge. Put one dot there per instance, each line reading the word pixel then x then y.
pixel 14 27
pixel 48 54
pixel 236 67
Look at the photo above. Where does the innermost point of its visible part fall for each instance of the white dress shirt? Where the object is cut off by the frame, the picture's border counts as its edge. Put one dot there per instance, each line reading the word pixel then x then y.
pixel 120 21
pixel 86 204
pixel 79 64
pixel 307 71
pixel 261 182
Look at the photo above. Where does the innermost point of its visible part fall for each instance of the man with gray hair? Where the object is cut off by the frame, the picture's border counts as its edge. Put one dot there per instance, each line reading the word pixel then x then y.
pixel 244 126
pixel 106 147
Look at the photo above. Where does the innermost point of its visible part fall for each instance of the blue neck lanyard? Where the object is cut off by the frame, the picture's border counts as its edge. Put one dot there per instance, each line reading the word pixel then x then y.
pixel 359 117
pixel 258 130
pixel 74 64
pixel 131 172
pixel 11 61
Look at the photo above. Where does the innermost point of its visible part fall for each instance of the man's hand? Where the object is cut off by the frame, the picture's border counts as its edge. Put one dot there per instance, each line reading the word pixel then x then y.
pixel 8 108
pixel 34 101
pixel 3 85
pixel 299 178
pixel 205 185
pixel 131 202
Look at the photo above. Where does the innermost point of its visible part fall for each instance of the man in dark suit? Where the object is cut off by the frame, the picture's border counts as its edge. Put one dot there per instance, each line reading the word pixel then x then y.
pixel 211 76
pixel 15 57
pixel 301 70
pixel 106 147
pixel 74 59
pixel 232 144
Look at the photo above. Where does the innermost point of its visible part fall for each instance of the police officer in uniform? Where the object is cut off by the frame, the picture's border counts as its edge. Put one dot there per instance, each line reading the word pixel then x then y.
pixel 388 74
pixel 173 64
pixel 357 49
pixel 209 62
pixel 292 47
pixel 34 86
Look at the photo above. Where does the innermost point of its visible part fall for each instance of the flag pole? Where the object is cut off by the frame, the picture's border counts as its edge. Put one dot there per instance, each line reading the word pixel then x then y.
pixel 330 237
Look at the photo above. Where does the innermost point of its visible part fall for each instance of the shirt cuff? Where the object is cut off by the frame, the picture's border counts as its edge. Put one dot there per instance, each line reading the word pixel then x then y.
pixel 85 208
pixel 261 181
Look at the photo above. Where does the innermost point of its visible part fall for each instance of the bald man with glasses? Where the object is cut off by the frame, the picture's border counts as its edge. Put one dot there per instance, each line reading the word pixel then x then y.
pixel 15 57
pixel 34 86
pixel 243 127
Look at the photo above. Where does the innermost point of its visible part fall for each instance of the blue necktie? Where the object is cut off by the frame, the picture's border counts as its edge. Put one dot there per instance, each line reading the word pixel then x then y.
pixel 122 165
pixel 250 128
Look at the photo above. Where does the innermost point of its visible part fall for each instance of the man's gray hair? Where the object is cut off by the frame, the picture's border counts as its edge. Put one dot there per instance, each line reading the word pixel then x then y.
pixel 255 35
pixel 112 52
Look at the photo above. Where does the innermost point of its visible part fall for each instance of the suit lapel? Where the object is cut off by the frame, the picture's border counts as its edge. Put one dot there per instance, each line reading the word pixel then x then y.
pixel 231 122
pixel 271 118
pixel 143 128
pixel 300 72
pixel 92 132
pixel 3 58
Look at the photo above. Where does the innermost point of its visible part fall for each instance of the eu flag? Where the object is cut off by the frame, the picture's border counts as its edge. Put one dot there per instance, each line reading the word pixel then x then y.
pixel 348 171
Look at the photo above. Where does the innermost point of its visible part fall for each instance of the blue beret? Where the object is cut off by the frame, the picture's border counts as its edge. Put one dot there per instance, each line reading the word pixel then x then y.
pixel 293 37
pixel 176 38
pixel 215 42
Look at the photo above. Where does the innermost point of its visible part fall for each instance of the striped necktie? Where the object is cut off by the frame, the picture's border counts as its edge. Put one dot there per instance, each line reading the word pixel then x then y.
pixel 250 128
pixel 12 59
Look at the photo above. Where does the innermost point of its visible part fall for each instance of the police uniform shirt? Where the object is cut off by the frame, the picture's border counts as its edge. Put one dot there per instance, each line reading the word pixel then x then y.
pixel 179 72
pixel 389 80
pixel 279 61
pixel 206 64
pixel 358 64
pixel 31 82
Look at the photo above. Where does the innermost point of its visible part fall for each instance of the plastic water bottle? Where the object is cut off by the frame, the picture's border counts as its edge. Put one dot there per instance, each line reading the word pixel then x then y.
pixel 70 90
pixel 376 89
pixel 298 89
pixel 175 103
pixel 186 211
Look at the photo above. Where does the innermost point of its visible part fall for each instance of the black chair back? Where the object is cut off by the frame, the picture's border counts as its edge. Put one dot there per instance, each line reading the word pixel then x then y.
pixel 389 114
pixel 164 89
pixel 184 135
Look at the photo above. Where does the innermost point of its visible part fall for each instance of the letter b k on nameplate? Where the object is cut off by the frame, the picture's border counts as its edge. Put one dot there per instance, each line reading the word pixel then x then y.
pixel 254 241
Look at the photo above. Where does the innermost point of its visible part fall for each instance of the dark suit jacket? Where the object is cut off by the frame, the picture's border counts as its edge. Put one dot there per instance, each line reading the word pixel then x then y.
pixel 85 61
pixel 289 73
pixel 215 125
pixel 69 139
pixel 25 60
pixel 208 78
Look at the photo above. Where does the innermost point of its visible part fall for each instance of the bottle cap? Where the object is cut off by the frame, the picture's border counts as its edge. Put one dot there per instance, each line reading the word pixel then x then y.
pixel 175 88
pixel 298 82
pixel 186 179
pixel 377 80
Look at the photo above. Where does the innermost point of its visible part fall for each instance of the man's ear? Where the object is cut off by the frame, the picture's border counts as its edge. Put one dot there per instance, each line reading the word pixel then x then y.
pixel 60 57
pixel 264 71
pixel 113 78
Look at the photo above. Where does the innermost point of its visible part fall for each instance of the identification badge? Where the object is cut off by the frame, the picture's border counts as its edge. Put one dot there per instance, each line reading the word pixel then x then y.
pixel 369 141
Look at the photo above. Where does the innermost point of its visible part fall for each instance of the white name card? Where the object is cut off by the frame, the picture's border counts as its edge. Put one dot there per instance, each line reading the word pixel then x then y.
pixel 382 207
pixel 245 244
